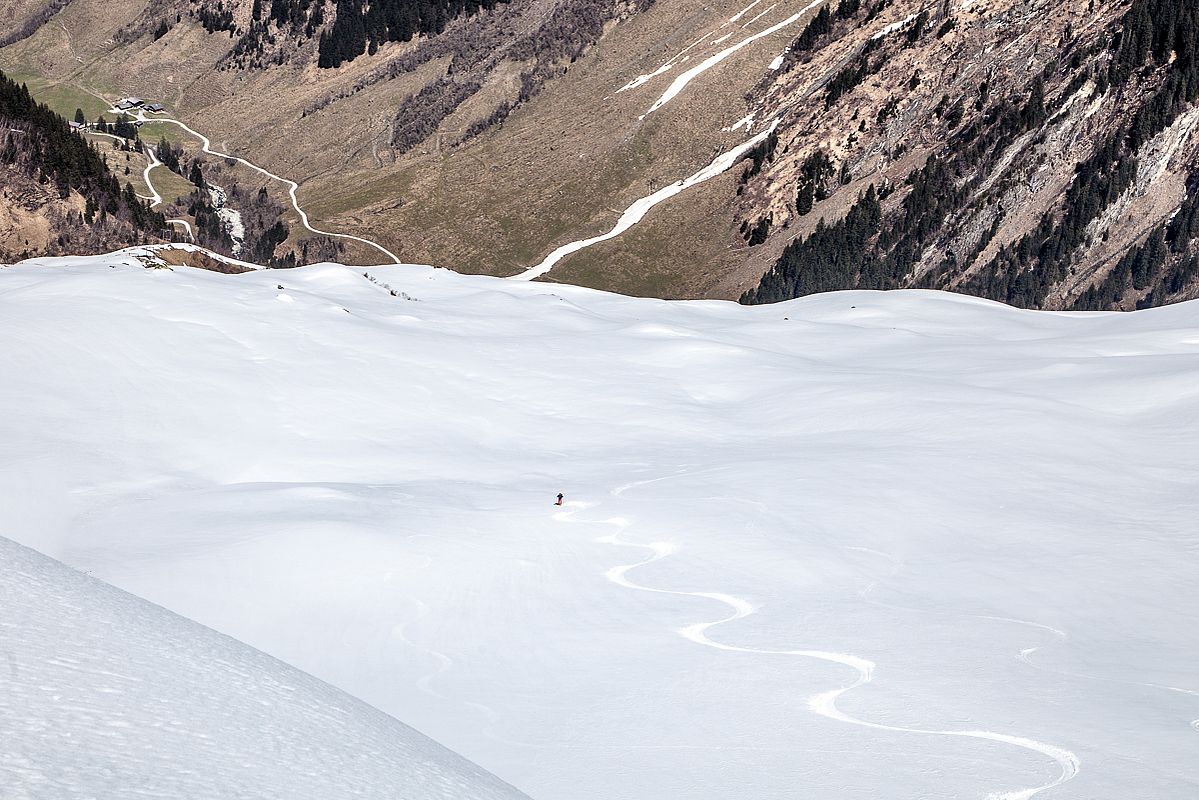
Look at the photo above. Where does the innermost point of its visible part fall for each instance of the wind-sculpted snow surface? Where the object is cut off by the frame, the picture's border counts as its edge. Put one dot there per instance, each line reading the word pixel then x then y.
pixel 885 546
pixel 106 695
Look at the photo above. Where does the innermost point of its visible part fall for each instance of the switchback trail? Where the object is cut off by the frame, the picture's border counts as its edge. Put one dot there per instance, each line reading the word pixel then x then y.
pixel 292 186
pixel 823 703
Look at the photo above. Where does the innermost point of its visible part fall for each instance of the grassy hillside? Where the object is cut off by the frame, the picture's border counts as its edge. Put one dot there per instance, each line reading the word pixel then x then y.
pixel 524 126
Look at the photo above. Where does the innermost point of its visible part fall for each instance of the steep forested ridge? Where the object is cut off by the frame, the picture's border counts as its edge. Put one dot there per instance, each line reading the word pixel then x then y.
pixel 542 42
pixel 40 155
pixel 1145 69
pixel 361 26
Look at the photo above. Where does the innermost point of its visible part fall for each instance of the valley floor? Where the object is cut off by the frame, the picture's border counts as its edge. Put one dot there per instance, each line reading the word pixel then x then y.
pixel 905 545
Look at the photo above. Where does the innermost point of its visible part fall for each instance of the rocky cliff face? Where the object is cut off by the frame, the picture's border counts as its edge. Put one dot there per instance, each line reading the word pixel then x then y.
pixel 1037 153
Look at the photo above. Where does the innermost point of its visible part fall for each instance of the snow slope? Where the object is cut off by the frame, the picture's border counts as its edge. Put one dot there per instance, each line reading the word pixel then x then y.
pixel 906 545
pixel 105 695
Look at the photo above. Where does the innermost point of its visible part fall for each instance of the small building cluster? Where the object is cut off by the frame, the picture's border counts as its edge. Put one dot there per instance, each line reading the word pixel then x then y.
pixel 130 103
pixel 133 104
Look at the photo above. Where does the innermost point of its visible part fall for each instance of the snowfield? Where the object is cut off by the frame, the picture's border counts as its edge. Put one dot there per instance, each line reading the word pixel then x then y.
pixel 106 695
pixel 861 545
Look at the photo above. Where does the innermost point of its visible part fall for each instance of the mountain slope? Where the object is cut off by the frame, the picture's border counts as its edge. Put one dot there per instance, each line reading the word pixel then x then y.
pixel 57 193
pixel 1059 171
pixel 484 146
pixel 905 544
pixel 106 695
pixel 1037 152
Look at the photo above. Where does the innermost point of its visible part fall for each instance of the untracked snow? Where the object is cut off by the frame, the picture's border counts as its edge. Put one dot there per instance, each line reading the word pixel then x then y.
pixel 860 545
pixel 103 695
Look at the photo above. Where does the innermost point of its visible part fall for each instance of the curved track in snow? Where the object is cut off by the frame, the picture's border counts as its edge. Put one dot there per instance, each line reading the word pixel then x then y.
pixel 442 661
pixel 292 186
pixel 823 703
pixel 1025 655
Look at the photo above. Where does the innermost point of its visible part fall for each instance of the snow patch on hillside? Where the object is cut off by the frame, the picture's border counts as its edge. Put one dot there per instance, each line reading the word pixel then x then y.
pixel 641 80
pixel 642 206
pixel 894 27
pixel 746 122
pixel 230 217
pixel 680 83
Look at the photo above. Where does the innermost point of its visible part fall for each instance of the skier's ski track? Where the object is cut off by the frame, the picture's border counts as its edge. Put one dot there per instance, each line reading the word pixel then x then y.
pixel 292 186
pixel 443 662
pixel 866 593
pixel 824 703
pixel 1025 655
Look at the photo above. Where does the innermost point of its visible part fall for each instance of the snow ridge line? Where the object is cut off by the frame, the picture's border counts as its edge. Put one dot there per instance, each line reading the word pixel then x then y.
pixel 293 187
pixel 823 703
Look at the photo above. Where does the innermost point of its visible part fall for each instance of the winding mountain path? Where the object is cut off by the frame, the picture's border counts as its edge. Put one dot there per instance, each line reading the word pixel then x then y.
pixel 187 226
pixel 292 186
pixel 824 703
pixel 154 197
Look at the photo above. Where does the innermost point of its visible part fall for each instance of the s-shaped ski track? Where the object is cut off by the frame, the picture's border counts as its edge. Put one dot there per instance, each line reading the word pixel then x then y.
pixel 823 703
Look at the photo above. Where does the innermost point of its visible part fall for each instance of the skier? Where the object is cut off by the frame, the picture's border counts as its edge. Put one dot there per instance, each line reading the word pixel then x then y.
pixel 559 499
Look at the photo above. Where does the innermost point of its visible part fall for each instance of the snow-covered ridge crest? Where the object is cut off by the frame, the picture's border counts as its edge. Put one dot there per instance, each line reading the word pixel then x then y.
pixel 986 512
pixel 106 695
pixel 154 256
